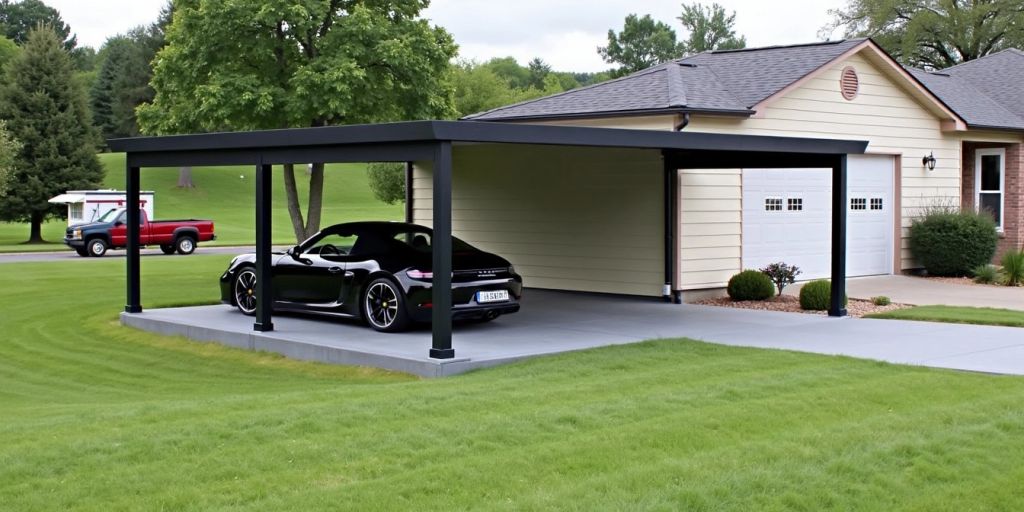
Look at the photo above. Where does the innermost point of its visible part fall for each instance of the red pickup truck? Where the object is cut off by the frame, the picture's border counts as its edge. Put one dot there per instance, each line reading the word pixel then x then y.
pixel 110 232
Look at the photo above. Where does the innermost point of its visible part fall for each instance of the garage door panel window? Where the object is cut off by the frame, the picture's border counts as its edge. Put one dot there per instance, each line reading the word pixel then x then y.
pixel 773 204
pixel 989 177
pixel 858 203
pixel 876 203
pixel 795 204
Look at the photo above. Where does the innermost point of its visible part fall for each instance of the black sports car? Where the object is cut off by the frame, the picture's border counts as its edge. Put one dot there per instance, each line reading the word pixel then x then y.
pixel 379 272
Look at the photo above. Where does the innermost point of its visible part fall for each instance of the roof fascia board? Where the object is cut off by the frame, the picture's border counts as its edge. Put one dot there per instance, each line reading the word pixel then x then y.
pixel 610 114
pixel 958 124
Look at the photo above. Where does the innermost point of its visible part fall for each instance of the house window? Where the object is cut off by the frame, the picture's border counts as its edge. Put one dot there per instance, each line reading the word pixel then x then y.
pixel 989 179
pixel 773 204
pixel 859 203
pixel 876 203
pixel 75 211
pixel 795 204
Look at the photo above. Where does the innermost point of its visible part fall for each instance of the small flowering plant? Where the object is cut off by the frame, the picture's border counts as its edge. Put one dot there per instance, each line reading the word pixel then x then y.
pixel 781 274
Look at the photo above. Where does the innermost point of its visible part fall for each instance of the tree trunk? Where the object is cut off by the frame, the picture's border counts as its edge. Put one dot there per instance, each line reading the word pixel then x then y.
pixel 36 234
pixel 316 199
pixel 294 211
pixel 185 177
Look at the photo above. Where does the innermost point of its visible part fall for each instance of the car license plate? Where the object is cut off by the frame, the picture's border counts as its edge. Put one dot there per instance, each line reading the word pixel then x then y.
pixel 492 296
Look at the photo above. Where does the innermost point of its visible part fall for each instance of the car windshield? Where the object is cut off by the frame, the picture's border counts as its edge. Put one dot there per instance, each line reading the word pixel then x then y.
pixel 110 215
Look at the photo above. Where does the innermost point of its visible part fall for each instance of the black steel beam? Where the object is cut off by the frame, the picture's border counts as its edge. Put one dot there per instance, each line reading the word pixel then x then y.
pixel 264 273
pixel 441 346
pixel 388 152
pixel 695 159
pixel 668 203
pixel 837 305
pixel 134 279
pixel 408 191
pixel 412 132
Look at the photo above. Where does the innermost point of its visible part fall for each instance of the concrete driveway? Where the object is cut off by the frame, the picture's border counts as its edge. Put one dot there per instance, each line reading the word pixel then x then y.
pixel 920 291
pixel 552 322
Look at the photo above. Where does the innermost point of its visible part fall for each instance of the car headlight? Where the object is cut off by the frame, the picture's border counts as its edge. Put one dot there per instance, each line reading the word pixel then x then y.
pixel 511 269
pixel 76 234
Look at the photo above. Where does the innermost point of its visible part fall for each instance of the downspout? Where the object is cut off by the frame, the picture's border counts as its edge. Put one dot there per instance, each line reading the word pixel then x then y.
pixel 683 122
pixel 672 219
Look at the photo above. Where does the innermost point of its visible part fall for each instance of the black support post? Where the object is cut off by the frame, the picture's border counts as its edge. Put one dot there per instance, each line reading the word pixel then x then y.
pixel 669 205
pixel 264 284
pixel 839 180
pixel 441 347
pixel 134 295
pixel 408 192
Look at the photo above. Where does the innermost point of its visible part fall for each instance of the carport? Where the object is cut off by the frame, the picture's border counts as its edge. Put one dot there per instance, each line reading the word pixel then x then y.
pixel 432 143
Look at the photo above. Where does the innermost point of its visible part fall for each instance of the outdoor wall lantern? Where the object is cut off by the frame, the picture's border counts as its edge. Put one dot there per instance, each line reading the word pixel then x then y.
pixel 929 161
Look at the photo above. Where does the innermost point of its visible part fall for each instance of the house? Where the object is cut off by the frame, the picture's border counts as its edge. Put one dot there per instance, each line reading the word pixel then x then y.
pixel 935 139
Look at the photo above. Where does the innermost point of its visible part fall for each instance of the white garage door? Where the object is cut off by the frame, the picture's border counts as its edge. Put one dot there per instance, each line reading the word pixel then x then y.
pixel 787 217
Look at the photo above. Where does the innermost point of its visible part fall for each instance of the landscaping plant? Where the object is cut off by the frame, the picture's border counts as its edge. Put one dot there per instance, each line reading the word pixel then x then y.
pixel 1013 267
pixel 948 242
pixel 750 285
pixel 881 300
pixel 781 274
pixel 987 274
pixel 817 296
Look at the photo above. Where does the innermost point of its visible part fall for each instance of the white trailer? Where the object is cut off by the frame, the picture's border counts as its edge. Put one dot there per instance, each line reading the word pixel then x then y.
pixel 89 205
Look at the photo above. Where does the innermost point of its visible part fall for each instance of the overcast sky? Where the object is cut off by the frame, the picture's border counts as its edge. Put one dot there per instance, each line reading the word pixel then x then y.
pixel 565 33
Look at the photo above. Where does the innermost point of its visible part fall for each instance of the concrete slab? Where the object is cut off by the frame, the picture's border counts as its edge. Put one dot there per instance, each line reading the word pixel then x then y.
pixel 553 322
pixel 920 292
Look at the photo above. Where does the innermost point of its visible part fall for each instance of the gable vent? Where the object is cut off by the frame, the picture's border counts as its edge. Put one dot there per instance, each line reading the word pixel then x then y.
pixel 849 83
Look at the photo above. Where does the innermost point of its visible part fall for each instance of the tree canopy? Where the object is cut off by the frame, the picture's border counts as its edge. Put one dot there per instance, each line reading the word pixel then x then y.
pixel 257 64
pixel 709 28
pixel 934 34
pixel 18 19
pixel 503 81
pixel 45 110
pixel 9 148
pixel 642 43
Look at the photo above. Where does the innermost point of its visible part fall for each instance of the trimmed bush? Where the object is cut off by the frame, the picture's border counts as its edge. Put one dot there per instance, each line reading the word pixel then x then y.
pixel 881 300
pixel 816 296
pixel 751 285
pixel 953 243
pixel 1013 267
pixel 987 274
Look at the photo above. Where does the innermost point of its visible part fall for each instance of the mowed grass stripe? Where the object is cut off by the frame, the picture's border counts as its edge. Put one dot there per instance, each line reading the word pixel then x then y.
pixel 100 417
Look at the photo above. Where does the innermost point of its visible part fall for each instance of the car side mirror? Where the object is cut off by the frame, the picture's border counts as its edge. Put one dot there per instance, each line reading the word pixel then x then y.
pixel 296 254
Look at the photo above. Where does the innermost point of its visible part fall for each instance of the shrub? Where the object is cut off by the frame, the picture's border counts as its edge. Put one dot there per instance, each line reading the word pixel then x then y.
pixel 750 285
pixel 1013 267
pixel 781 274
pixel 952 243
pixel 816 296
pixel 387 181
pixel 987 274
pixel 881 300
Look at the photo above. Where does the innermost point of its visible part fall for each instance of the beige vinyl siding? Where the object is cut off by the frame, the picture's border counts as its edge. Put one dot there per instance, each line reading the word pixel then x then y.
pixel 583 219
pixel 891 120
pixel 710 226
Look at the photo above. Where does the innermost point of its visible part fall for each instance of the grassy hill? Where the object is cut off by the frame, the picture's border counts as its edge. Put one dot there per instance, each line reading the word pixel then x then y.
pixel 225 195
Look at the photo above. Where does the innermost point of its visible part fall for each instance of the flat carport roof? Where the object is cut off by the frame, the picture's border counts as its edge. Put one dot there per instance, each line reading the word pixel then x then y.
pixel 432 141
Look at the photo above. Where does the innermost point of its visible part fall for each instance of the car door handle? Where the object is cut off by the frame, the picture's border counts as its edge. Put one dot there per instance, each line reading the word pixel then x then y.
pixel 334 270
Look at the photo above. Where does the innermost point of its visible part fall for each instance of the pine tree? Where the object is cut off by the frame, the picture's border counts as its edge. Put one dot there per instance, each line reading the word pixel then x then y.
pixel 45 110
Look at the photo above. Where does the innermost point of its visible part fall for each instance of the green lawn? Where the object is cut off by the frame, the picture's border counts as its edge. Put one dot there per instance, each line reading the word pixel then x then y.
pixel 97 417
pixel 225 194
pixel 957 315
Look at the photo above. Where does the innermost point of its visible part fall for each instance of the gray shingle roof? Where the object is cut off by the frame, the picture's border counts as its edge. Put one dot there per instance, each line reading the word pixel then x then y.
pixel 1000 78
pixel 975 107
pixel 723 81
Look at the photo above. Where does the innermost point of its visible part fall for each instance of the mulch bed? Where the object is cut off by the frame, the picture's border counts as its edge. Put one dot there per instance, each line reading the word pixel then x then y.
pixel 790 304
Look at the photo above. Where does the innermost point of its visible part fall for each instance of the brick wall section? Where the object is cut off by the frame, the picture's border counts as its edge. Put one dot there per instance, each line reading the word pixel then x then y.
pixel 1013 217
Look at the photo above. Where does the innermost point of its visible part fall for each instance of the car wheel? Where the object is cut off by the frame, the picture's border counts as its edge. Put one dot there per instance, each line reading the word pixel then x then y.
pixel 97 247
pixel 83 252
pixel 185 245
pixel 384 306
pixel 168 249
pixel 245 291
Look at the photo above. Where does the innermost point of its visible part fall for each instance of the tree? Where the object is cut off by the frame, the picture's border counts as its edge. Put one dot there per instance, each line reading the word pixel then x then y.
pixel 387 181
pixel 934 34
pixel 8 152
pixel 642 43
pixel 539 71
pixel 479 88
pixel 709 29
pixel 45 110
pixel 18 19
pixel 8 51
pixel 294 63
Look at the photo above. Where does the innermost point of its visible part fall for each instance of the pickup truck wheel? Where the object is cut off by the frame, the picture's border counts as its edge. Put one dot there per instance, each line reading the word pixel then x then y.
pixel 185 245
pixel 97 247
pixel 82 252
pixel 245 291
pixel 168 249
